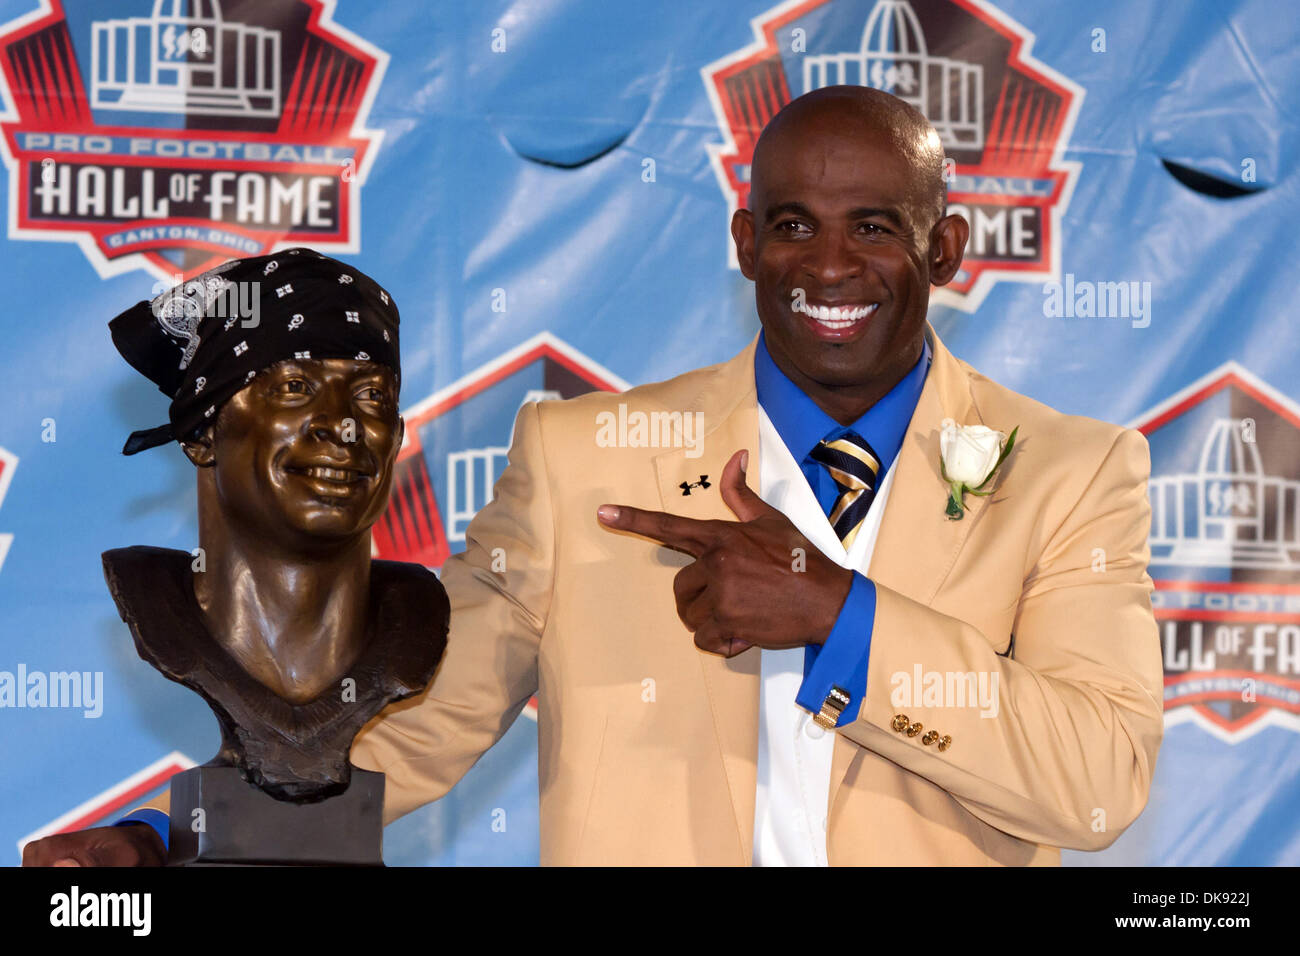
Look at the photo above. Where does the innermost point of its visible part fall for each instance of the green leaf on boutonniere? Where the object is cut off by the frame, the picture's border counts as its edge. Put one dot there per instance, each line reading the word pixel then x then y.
pixel 955 509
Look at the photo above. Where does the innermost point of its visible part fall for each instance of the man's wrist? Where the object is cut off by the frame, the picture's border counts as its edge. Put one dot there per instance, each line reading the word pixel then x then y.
pixel 841 662
pixel 155 819
pixel 837 593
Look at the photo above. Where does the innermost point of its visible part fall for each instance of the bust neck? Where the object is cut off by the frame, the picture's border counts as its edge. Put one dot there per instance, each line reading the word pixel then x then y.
pixel 294 620
pixel 292 751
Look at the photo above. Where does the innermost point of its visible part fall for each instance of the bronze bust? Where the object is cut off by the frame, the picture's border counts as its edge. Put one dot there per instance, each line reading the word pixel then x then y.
pixel 280 619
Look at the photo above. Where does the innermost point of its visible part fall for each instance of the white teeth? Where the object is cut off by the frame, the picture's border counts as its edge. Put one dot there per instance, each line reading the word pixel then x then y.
pixel 838 317
pixel 330 474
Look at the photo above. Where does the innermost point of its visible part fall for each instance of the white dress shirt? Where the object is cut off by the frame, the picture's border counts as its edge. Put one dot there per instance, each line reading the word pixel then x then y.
pixel 794 754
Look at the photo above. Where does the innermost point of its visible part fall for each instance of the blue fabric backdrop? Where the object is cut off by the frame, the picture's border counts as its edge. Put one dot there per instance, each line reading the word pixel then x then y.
pixel 545 189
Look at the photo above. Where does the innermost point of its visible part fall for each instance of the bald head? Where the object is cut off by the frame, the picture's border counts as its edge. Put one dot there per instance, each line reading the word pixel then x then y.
pixel 868 116
pixel 844 236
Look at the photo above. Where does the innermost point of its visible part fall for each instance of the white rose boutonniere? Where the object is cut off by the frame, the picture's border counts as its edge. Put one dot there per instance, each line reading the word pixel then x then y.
pixel 968 457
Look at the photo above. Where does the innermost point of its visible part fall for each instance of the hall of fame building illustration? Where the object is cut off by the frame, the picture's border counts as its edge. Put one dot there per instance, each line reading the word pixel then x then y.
pixel 893 57
pixel 185 58
pixel 1228 513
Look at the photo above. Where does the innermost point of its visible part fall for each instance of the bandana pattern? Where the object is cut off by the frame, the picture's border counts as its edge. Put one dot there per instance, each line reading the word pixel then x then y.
pixel 206 339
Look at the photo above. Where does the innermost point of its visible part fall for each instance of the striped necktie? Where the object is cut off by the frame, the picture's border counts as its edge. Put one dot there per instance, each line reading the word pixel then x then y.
pixel 854 466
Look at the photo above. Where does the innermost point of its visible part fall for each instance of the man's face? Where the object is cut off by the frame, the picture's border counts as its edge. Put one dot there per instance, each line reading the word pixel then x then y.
pixel 306 451
pixel 837 244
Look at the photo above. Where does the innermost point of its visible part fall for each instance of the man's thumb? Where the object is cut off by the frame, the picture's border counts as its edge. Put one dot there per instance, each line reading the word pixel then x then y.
pixel 739 497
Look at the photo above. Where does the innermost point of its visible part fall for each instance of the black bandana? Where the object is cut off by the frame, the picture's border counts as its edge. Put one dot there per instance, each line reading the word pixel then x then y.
pixel 207 338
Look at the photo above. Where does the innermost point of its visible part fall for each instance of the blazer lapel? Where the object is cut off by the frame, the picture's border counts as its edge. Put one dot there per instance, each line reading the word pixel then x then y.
pixel 730 407
pixel 918 543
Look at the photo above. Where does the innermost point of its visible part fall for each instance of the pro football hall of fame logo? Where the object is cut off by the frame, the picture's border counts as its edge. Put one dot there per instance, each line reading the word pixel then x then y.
pixel 1225 552
pixel 1004 118
pixel 171 135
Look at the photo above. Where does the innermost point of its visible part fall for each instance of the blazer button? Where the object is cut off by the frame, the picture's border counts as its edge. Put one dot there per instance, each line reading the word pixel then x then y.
pixel 930 737
pixel 945 742
pixel 900 722
pixel 914 729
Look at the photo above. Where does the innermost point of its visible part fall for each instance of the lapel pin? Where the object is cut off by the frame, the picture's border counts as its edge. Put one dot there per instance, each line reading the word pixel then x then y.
pixel 687 486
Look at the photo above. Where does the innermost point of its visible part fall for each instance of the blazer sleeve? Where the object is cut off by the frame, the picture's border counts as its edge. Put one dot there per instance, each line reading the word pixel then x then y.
pixel 1067 760
pixel 500 593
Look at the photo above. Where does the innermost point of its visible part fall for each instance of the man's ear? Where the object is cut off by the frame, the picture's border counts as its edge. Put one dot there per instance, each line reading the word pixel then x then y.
pixel 947 246
pixel 742 232
pixel 200 450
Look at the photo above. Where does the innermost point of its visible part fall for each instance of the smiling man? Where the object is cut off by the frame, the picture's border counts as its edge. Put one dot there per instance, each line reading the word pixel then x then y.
pixel 993 678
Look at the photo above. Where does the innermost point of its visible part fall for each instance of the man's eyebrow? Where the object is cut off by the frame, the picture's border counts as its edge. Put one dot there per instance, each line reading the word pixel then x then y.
pixel 884 212
pixel 889 213
pixel 787 209
pixel 373 375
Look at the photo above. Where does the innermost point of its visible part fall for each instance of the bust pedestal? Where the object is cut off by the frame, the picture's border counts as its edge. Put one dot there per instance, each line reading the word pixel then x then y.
pixel 218 819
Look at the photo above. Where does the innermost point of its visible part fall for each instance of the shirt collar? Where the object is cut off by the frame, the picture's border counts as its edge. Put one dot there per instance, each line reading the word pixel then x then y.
pixel 802 424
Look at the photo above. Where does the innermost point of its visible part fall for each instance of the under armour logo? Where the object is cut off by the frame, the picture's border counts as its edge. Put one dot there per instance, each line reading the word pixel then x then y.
pixel 686 487
pixel 241 348
pixel 302 355
pixel 383 295
pixel 284 290
pixel 353 316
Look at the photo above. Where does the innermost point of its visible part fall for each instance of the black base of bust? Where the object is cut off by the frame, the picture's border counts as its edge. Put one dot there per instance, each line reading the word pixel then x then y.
pixel 242 826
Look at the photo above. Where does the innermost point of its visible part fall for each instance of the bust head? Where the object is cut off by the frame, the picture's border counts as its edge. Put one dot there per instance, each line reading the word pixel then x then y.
pixel 302 455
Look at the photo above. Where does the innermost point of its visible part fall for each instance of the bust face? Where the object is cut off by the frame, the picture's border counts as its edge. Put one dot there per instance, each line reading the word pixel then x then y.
pixel 304 454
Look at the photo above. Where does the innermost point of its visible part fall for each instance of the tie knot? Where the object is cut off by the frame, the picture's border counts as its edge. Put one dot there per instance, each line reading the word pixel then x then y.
pixel 849 458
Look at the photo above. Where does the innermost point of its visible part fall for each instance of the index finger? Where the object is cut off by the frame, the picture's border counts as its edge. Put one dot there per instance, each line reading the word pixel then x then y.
pixel 685 534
